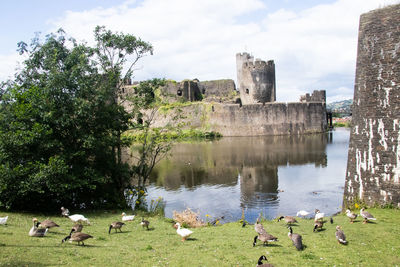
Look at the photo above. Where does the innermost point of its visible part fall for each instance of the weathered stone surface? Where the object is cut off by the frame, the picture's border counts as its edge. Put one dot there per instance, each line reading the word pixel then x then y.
pixel 316 96
pixel 373 169
pixel 218 90
pixel 256 79
pixel 256 119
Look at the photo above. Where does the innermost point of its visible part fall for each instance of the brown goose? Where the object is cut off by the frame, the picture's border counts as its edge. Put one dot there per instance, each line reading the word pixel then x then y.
pixel 296 239
pixel 367 216
pixel 47 224
pixel 77 227
pixel 144 223
pixel 116 225
pixel 288 219
pixel 351 215
pixel 35 231
pixel 265 238
pixel 77 237
pixel 318 225
pixel 261 264
pixel 341 238
pixel 259 227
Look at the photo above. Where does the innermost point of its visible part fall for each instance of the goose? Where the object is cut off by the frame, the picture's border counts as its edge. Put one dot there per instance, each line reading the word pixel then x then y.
pixel 47 224
pixel 116 225
pixel 3 220
pixel 261 264
pixel 259 227
pixel 183 232
pixel 144 223
pixel 302 213
pixel 351 215
pixel 296 239
pixel 77 227
pixel 288 219
pixel 127 218
pixel 79 218
pixel 38 232
pixel 77 237
pixel 341 238
pixel 367 216
pixel 64 212
pixel 265 238
pixel 318 225
pixel 318 215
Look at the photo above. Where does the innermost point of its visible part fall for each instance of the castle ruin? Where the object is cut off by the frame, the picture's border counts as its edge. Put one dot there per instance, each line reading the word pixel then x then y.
pixel 249 110
pixel 373 167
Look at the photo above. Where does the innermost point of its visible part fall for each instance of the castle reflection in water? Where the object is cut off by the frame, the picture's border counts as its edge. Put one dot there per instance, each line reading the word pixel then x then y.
pixel 270 175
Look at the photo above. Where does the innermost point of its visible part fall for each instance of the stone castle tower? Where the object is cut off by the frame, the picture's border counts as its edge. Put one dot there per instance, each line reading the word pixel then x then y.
pixel 256 79
pixel 373 167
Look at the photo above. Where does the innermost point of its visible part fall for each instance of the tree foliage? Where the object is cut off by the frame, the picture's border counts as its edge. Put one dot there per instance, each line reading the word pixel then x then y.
pixel 61 122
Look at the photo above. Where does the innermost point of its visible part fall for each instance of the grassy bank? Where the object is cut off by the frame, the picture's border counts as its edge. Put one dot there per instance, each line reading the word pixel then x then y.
pixel 373 244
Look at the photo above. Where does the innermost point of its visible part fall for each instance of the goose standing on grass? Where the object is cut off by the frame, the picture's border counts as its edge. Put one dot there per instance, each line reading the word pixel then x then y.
pixel 3 220
pixel 116 225
pixel 259 227
pixel 367 216
pixel 318 225
pixel 265 238
pixel 341 238
pixel 77 237
pixel 144 223
pixel 79 218
pixel 296 239
pixel 38 232
pixel 47 224
pixel 183 232
pixel 77 227
pixel 319 216
pixel 261 264
pixel 127 218
pixel 288 219
pixel 64 212
pixel 302 213
pixel 351 215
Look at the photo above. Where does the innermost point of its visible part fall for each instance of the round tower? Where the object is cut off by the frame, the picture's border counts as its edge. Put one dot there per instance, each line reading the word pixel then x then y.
pixel 256 79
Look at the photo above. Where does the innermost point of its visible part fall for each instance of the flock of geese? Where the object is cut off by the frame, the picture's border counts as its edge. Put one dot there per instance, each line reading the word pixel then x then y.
pixel 40 229
pixel 297 239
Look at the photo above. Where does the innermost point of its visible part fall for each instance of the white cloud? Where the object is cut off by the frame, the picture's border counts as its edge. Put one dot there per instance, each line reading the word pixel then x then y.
pixel 199 39
pixel 8 65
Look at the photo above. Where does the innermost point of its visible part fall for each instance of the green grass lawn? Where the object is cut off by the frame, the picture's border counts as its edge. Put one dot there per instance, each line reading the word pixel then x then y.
pixel 372 244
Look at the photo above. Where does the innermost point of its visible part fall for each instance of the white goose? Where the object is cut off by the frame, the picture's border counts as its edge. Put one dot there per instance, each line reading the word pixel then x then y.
pixel 3 220
pixel 79 218
pixel 35 231
pixel 126 218
pixel 184 233
pixel 319 216
pixel 302 213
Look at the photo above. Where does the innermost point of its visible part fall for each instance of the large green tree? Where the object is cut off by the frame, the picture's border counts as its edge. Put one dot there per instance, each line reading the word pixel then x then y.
pixel 61 122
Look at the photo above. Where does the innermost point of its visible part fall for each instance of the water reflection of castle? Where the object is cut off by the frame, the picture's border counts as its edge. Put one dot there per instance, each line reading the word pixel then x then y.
pixel 254 159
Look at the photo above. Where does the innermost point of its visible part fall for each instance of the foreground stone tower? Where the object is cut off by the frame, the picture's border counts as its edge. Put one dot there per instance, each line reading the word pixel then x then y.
pixel 373 168
pixel 256 79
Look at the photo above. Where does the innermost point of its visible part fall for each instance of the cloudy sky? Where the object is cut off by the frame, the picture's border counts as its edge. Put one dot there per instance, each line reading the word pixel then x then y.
pixel 313 42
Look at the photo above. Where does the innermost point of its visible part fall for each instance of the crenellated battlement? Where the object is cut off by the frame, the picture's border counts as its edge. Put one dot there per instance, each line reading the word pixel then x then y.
pixel 256 79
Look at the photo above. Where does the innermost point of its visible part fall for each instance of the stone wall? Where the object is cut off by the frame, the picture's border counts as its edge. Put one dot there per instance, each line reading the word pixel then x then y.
pixel 256 119
pixel 316 96
pixel 218 90
pixel 373 169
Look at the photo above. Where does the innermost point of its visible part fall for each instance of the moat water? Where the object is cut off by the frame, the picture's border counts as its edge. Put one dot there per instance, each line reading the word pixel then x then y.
pixel 269 175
